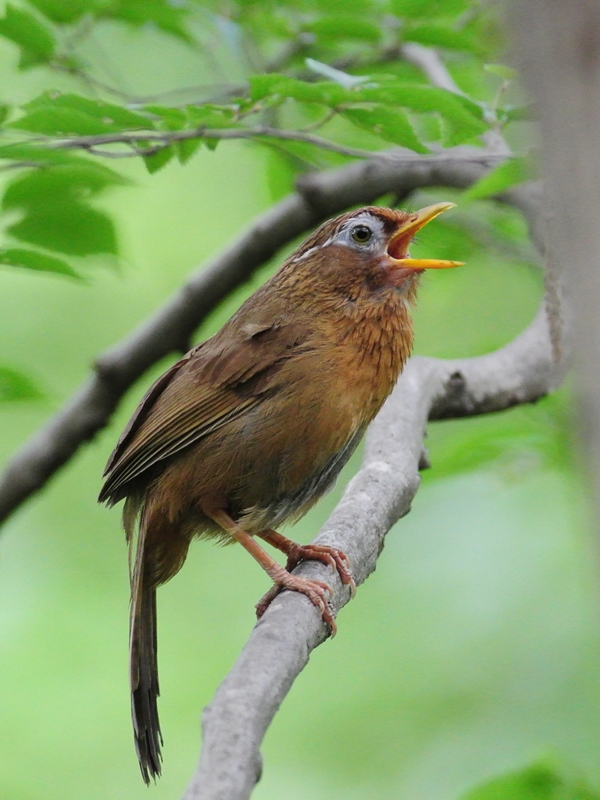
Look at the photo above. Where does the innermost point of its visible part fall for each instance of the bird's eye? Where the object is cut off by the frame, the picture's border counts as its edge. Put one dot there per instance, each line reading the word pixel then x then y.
pixel 362 234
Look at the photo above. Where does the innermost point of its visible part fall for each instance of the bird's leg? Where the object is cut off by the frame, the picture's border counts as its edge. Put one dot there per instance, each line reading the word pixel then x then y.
pixel 296 553
pixel 318 592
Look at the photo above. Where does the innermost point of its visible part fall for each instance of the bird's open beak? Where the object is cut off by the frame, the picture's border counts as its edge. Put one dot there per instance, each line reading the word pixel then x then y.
pixel 398 247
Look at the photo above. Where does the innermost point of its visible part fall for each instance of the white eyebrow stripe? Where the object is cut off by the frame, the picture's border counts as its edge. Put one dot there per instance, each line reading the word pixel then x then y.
pixel 311 250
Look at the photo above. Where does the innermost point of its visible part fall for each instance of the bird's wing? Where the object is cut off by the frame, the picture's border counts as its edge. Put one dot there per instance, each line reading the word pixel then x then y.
pixel 215 383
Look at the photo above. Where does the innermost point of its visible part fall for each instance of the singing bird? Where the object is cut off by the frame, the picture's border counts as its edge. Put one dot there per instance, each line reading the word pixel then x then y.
pixel 252 426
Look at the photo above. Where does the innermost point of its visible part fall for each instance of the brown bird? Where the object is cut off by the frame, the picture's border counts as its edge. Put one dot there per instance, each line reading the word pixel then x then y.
pixel 252 426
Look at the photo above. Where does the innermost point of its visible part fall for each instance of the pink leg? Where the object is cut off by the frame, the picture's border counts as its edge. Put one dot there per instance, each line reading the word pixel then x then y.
pixel 317 592
pixel 296 553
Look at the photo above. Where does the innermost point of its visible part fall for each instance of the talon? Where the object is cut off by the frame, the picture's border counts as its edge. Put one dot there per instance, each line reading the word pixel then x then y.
pixel 318 592
pixel 334 558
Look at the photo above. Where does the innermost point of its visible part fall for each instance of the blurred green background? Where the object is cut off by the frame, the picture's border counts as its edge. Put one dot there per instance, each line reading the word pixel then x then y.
pixel 474 648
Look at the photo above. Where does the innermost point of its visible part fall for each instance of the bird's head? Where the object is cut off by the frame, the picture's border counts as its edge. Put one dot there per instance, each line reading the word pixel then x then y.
pixel 366 251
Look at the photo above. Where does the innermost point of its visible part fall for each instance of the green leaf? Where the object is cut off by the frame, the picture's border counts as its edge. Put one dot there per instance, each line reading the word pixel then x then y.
pixel 389 124
pixel 31 259
pixel 4 112
pixel 502 177
pixel 15 386
pixel 186 148
pixel 64 11
pixel 67 227
pixel 441 34
pixel 538 782
pixel 333 27
pixel 167 16
pixel 429 8
pixel 464 118
pixel 281 172
pixel 159 160
pixel 171 119
pixel 210 116
pixel 36 153
pixel 71 182
pixel 56 114
pixel 281 87
pixel 33 37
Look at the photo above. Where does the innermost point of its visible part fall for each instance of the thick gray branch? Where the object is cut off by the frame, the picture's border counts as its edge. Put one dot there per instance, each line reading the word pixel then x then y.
pixel 319 196
pixel 235 722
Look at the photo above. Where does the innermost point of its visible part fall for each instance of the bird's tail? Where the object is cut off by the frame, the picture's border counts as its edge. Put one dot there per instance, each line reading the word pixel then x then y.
pixel 143 670
pixel 162 546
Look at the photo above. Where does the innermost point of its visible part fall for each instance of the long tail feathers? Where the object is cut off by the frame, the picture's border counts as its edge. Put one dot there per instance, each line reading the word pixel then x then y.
pixel 144 670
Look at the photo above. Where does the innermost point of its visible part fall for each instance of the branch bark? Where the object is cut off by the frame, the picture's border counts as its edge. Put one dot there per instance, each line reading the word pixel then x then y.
pixel 319 196
pixel 279 647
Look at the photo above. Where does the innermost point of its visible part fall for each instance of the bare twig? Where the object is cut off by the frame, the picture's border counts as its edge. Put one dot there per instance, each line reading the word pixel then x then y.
pixel 319 196
pixel 164 139
pixel 235 722
pixel 137 140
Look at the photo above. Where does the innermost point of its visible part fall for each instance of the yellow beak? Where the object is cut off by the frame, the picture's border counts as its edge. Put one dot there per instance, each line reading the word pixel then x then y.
pixel 398 246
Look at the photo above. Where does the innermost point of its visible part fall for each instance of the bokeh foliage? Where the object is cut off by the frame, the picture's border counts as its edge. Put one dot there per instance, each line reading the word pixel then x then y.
pixel 473 649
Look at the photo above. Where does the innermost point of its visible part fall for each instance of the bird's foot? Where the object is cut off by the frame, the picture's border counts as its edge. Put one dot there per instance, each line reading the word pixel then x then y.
pixel 318 592
pixel 331 556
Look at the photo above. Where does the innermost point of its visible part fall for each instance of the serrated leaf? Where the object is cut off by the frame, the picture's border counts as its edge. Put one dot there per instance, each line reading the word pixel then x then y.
pixel 70 182
pixel 186 148
pixel 15 386
pixel 159 160
pixel 333 27
pixel 36 153
pixel 462 115
pixel 441 34
pixel 210 116
pixel 501 178
pixel 390 125
pixel 56 114
pixel 31 259
pixel 172 119
pixel 35 39
pixel 326 93
pixel 67 227
pixel 64 11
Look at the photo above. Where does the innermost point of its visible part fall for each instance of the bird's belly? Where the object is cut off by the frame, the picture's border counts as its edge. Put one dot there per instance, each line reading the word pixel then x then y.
pixel 296 501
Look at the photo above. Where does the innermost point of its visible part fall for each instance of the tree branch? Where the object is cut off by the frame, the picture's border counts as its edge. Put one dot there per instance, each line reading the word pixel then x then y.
pixel 94 143
pixel 319 196
pixel 279 647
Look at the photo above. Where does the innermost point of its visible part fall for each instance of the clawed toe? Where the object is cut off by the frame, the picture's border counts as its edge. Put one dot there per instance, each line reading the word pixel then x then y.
pixel 334 558
pixel 318 592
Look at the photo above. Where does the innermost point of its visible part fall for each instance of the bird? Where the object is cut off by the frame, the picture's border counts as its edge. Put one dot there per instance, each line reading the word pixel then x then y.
pixel 253 425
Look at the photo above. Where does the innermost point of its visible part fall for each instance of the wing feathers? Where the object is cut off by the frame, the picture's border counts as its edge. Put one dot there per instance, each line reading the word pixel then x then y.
pixel 215 383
